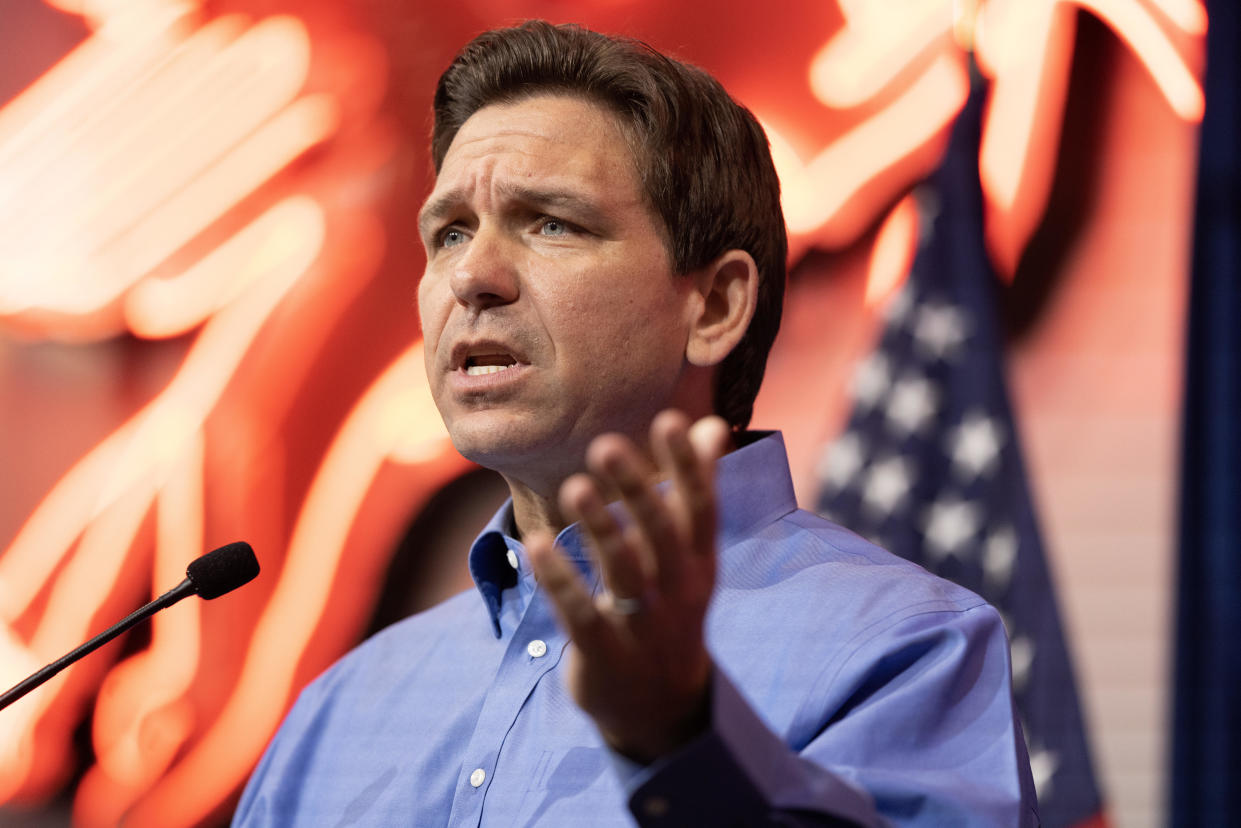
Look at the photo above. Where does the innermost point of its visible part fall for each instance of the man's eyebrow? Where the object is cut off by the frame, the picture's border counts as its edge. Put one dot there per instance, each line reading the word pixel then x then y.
pixel 542 198
pixel 554 199
pixel 436 209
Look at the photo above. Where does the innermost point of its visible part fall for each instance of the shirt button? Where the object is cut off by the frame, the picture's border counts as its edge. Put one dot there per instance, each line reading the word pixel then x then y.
pixel 477 777
pixel 536 648
pixel 512 559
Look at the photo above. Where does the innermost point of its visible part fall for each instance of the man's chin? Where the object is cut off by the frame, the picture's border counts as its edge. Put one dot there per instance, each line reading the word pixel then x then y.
pixel 510 448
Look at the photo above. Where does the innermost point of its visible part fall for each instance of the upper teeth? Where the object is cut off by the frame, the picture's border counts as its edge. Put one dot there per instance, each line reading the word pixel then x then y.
pixel 479 370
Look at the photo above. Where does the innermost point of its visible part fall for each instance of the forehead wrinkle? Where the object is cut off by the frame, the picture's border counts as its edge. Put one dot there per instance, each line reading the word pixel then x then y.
pixel 438 207
pixel 582 192
pixel 552 198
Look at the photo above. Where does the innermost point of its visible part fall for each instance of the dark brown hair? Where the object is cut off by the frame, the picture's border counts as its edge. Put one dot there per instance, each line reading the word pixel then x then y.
pixel 703 159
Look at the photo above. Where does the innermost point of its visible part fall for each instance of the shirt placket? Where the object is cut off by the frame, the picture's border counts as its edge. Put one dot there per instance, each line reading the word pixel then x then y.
pixel 534 649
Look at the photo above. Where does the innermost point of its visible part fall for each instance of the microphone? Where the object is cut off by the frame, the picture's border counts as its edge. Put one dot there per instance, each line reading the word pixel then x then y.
pixel 218 572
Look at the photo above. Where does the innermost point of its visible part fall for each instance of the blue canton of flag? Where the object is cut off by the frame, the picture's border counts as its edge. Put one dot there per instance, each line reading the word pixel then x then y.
pixel 929 467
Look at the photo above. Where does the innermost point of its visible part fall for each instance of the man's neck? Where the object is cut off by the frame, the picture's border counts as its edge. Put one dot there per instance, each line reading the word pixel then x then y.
pixel 536 505
pixel 533 511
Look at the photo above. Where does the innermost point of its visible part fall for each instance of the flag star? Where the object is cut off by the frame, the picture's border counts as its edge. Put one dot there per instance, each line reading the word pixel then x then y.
pixel 999 558
pixel 939 330
pixel 1021 652
pixel 912 403
pixel 1043 764
pixel 842 461
pixel 950 523
pixel 871 381
pixel 974 445
pixel 887 483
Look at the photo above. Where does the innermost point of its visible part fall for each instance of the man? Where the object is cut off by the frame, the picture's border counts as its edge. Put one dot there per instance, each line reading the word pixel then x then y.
pixel 604 243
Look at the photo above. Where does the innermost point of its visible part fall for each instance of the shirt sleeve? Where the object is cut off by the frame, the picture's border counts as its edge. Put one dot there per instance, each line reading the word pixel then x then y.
pixel 926 735
pixel 263 802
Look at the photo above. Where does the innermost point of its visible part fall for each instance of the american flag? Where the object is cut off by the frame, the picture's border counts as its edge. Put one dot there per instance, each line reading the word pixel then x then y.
pixel 930 467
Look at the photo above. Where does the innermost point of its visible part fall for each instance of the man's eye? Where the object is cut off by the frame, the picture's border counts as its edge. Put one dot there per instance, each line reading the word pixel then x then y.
pixel 451 237
pixel 553 227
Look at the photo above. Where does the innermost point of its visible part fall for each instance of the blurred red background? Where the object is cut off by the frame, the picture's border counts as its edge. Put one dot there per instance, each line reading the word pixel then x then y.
pixel 208 261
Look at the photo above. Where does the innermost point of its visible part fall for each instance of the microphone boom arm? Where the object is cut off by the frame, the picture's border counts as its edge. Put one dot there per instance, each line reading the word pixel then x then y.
pixel 217 573
pixel 172 596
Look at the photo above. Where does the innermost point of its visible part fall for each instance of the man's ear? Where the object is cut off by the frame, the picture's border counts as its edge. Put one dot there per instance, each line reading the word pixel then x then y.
pixel 728 288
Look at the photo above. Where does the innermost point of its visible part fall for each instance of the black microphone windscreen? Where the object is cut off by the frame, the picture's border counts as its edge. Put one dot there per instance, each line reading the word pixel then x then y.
pixel 223 570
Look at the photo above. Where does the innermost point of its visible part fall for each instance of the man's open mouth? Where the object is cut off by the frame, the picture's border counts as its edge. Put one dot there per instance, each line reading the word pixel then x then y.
pixel 480 364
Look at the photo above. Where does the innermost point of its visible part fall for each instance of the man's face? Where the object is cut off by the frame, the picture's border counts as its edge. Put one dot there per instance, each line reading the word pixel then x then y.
pixel 549 308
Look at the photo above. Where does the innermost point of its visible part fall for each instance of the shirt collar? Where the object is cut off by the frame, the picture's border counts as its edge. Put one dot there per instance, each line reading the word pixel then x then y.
pixel 753 488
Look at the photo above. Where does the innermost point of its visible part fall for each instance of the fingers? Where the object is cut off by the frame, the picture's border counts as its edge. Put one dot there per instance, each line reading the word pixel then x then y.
pixel 688 455
pixel 622 558
pixel 710 437
pixel 673 529
pixel 654 531
pixel 570 597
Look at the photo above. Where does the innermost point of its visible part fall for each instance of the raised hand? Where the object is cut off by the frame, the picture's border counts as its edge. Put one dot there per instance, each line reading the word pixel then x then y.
pixel 638 664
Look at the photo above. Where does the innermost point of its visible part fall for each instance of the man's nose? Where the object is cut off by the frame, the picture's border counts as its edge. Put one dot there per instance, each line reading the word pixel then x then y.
pixel 486 275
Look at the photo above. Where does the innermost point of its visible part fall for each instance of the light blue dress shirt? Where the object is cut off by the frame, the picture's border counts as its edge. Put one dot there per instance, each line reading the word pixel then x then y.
pixel 850 687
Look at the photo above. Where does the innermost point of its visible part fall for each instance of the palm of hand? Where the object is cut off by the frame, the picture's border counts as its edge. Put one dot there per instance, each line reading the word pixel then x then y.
pixel 639 664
